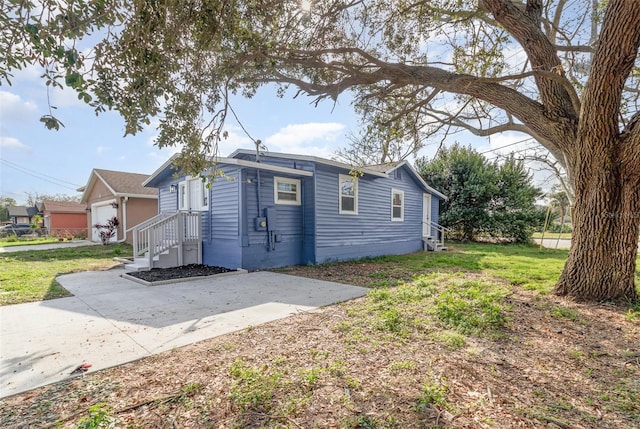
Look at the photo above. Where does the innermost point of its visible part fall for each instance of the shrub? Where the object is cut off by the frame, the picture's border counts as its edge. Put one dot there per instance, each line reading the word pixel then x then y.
pixel 107 230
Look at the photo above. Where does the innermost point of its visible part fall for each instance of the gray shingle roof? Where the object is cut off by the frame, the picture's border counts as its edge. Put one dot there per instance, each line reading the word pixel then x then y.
pixel 126 183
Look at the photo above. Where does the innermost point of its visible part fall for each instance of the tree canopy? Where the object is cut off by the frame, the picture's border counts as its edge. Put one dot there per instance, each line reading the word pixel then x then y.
pixel 564 72
pixel 489 198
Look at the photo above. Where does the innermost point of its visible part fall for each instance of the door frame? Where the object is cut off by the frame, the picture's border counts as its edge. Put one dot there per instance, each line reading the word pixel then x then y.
pixel 426 215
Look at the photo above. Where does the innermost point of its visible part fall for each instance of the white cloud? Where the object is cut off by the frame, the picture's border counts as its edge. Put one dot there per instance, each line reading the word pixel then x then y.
pixel 66 97
pixel 12 143
pixel 313 138
pixel 102 149
pixel 235 139
pixel 15 109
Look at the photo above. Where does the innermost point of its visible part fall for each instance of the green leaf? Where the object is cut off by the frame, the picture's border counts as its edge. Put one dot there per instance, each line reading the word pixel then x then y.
pixel 51 122
pixel 31 29
pixel 73 80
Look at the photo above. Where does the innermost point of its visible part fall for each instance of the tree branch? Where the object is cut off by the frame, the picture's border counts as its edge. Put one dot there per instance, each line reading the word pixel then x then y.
pixel 525 28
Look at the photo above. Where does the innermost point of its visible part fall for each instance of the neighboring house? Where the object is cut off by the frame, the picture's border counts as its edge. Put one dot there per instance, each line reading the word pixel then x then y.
pixel 116 193
pixel 65 218
pixel 23 214
pixel 287 210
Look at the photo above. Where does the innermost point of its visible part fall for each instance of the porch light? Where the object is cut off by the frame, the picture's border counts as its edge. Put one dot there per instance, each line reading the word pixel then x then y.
pixel 114 205
pixel 173 188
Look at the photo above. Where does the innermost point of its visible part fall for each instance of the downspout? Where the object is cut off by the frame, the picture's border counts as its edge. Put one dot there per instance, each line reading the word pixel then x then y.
pixel 124 220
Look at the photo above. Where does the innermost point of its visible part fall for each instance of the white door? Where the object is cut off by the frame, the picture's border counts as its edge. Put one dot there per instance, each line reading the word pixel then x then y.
pixel 426 215
pixel 100 214
pixel 192 195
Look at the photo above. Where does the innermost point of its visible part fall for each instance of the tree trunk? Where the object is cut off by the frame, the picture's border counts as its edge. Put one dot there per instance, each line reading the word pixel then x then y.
pixel 602 260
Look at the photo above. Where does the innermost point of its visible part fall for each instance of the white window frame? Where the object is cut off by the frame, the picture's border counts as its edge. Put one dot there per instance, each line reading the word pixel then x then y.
pixel 184 196
pixel 401 193
pixel 277 200
pixel 343 178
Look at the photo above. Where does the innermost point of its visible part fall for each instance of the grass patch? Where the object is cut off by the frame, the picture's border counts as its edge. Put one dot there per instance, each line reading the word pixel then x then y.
pixel 564 313
pixel 254 387
pixel 472 307
pixel 26 241
pixel 31 275
pixel 522 265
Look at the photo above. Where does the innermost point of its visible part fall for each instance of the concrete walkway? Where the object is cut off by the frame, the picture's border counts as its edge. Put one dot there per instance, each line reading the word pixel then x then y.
pixel 110 320
pixel 554 243
pixel 48 246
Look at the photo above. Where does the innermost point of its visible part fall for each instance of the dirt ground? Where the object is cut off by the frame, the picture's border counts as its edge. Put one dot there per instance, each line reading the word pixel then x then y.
pixel 557 364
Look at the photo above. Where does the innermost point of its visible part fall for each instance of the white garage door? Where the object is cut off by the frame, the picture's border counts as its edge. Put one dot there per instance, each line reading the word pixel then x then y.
pixel 100 214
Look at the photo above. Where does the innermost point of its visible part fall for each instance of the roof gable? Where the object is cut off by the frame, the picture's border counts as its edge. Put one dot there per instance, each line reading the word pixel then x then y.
pixel 244 153
pixel 406 166
pixel 120 184
pixel 22 211
pixel 162 172
pixel 63 206
pixel 380 170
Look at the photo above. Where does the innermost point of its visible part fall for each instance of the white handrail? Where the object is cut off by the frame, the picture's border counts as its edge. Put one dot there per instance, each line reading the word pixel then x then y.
pixel 165 231
pixel 440 232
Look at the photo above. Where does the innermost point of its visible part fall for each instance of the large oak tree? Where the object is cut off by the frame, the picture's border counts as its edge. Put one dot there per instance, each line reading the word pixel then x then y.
pixel 564 72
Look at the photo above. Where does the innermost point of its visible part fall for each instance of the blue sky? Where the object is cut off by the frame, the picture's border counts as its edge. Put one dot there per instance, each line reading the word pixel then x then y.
pixel 35 160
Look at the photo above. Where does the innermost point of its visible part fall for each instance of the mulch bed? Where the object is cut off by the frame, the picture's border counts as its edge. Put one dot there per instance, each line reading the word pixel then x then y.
pixel 185 271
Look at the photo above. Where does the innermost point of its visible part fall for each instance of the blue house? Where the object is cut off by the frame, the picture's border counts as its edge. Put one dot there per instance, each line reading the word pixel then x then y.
pixel 283 209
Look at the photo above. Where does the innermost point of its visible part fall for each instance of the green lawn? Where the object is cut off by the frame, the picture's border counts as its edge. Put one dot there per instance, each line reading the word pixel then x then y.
pixel 26 241
pixel 525 265
pixel 30 275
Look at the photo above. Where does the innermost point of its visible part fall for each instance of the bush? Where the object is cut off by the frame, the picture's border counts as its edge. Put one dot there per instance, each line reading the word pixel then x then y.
pixel 107 230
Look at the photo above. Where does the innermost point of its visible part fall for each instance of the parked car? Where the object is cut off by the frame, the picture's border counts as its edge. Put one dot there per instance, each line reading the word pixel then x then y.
pixel 18 229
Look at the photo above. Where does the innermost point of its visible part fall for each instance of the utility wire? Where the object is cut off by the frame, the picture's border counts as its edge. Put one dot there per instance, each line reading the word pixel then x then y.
pixel 507 145
pixel 40 176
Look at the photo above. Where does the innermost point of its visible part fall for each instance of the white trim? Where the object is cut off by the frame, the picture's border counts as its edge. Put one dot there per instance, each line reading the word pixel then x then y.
pixel 144 196
pixel 185 196
pixel 426 214
pixel 286 180
pixel 401 193
pixel 310 158
pixel 345 177
pixel 234 161
pixel 182 195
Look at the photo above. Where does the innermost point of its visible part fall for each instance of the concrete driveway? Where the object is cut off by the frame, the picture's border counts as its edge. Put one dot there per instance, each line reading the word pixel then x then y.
pixel 110 320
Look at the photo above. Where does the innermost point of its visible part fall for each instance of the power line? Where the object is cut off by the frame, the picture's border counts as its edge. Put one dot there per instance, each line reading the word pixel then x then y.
pixel 41 176
pixel 507 145
pixel 10 163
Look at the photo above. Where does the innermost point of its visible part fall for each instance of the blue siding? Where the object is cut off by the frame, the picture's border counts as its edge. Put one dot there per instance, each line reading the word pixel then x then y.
pixel 308 221
pixel 257 253
pixel 221 223
pixel 435 208
pixel 371 232
pixel 167 201
pixel 312 232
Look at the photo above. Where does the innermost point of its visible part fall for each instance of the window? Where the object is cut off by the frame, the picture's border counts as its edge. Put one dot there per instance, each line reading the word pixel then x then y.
pixel 397 205
pixel 348 194
pixel 193 195
pixel 182 196
pixel 286 191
